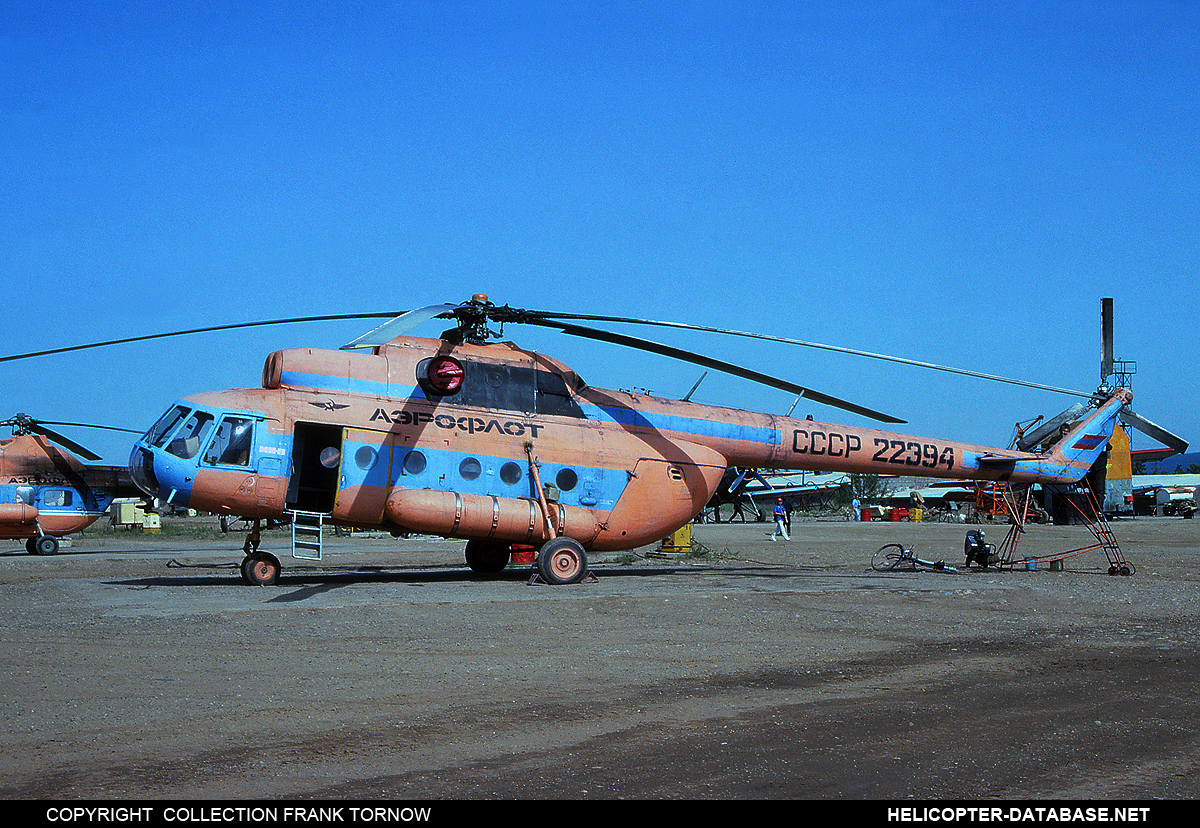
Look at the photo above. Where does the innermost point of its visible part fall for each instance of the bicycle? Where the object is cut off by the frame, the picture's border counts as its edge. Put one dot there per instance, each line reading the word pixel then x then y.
pixel 894 557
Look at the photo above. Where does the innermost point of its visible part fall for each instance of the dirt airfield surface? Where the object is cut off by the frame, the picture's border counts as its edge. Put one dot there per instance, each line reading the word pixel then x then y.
pixel 140 666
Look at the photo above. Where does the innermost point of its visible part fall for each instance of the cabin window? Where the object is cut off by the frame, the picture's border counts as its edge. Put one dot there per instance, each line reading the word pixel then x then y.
pixel 187 440
pixel 470 469
pixel 231 446
pixel 414 462
pixel 566 480
pixel 365 458
pixel 56 498
pixel 510 473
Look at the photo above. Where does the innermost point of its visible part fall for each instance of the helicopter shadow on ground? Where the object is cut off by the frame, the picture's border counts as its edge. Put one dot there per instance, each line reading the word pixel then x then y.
pixel 61 553
pixel 309 581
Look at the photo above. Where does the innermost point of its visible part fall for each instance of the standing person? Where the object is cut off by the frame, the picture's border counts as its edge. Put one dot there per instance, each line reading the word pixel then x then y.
pixel 856 508
pixel 781 517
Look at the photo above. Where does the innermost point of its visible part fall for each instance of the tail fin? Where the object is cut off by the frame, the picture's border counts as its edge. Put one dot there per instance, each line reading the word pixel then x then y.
pixel 1073 456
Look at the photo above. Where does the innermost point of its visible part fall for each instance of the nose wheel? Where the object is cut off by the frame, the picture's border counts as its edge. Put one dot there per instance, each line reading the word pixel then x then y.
pixel 260 569
pixel 42 545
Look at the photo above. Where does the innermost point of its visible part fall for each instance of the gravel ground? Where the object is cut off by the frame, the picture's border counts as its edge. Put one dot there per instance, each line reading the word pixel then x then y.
pixel 139 666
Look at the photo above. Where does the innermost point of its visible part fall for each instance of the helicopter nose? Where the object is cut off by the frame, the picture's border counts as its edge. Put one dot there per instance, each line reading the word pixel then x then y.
pixel 141 469
pixel 161 475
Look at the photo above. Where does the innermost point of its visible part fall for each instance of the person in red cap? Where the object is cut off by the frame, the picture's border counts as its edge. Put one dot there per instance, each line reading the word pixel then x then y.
pixel 781 520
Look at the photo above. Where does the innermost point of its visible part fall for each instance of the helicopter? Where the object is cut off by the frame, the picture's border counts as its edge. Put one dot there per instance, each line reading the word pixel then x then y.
pixel 470 438
pixel 46 492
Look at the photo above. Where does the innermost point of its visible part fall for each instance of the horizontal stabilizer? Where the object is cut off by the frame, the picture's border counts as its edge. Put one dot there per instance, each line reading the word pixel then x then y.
pixel 997 459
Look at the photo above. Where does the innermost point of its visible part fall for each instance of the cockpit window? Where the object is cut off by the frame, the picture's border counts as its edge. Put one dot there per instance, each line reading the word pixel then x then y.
pixel 187 441
pixel 165 425
pixel 231 446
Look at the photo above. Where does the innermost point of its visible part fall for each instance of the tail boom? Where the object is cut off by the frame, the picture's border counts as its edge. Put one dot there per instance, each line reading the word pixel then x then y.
pixel 810 445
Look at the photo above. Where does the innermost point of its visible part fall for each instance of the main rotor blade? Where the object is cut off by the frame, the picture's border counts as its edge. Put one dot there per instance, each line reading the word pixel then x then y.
pixel 399 326
pixel 65 442
pixel 1157 432
pixel 1050 427
pixel 263 323
pixel 530 315
pixel 715 364
pixel 1106 339
pixel 87 425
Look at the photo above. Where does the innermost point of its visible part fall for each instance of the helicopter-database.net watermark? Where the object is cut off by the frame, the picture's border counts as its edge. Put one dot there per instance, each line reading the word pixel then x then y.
pixel 1020 814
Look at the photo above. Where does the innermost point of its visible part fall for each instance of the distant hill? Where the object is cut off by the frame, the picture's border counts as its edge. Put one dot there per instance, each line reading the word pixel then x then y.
pixel 1172 465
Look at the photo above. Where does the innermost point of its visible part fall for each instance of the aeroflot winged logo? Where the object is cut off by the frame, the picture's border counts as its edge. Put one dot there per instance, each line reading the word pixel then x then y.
pixel 329 405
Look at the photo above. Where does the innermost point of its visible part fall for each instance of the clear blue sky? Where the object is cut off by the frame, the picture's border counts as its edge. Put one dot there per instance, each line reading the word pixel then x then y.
pixel 958 183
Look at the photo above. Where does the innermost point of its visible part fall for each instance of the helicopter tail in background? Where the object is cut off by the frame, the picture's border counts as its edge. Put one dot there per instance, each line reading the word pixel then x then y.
pixel 1073 454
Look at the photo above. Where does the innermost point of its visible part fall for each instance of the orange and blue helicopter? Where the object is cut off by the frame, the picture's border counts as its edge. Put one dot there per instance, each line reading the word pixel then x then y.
pixel 46 493
pixel 468 437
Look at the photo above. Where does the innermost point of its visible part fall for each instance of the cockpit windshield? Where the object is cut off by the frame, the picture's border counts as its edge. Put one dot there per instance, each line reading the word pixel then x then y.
pixel 165 425
pixel 199 436
pixel 187 440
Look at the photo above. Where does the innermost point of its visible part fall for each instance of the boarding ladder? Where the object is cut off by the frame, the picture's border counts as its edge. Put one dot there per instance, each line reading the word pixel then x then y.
pixel 306 535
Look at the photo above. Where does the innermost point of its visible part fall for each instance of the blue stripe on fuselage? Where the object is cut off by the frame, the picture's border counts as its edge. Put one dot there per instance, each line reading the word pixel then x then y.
pixel 682 425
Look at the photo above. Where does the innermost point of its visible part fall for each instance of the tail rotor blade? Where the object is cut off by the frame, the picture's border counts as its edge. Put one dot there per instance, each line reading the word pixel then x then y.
pixel 1156 431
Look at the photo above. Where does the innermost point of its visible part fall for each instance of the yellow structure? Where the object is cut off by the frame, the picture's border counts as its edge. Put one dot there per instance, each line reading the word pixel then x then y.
pixel 1118 479
pixel 680 540
pixel 152 522
pixel 1120 462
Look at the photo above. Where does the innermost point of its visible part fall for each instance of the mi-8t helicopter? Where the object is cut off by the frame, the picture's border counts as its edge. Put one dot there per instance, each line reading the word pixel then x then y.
pixel 45 491
pixel 470 438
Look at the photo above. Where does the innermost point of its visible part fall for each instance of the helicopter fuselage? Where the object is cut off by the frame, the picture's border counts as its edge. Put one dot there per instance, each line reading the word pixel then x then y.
pixel 45 492
pixel 495 442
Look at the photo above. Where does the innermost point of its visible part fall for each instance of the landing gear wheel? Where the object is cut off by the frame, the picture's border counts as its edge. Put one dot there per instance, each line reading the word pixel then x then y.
pixel 260 569
pixel 487 557
pixel 562 561
pixel 45 545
